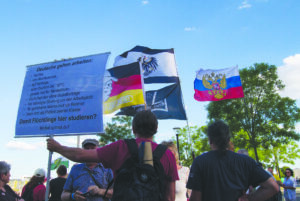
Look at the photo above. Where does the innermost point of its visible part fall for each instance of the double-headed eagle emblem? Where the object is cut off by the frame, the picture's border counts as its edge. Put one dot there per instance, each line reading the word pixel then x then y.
pixel 217 84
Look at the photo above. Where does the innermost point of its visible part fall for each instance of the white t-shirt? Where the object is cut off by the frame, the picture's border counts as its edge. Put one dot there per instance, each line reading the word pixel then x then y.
pixel 183 173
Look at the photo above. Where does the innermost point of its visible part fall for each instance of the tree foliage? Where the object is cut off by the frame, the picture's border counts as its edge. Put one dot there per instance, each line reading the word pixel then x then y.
pixel 262 117
pixel 197 144
pixel 119 128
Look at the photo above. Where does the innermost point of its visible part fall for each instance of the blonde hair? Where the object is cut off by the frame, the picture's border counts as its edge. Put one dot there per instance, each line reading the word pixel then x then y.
pixel 171 146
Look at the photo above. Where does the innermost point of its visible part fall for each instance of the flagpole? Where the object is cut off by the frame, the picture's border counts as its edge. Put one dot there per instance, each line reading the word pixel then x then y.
pixel 143 84
pixel 187 122
pixel 48 173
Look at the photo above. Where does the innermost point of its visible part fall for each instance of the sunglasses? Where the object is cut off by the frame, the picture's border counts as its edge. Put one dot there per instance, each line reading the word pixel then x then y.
pixel 287 172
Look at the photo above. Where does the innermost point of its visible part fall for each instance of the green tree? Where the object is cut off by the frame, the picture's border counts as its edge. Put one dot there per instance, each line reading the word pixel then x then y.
pixel 119 128
pixel 262 115
pixel 197 145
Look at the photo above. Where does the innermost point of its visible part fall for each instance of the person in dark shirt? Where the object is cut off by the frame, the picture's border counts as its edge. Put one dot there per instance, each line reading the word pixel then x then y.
pixel 57 184
pixel 6 193
pixel 221 174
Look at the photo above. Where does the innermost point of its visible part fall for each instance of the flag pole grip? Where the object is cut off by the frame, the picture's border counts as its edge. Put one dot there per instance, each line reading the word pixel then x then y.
pixel 48 174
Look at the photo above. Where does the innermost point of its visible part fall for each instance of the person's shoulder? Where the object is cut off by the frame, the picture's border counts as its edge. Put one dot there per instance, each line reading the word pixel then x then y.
pixel 77 167
pixel 39 187
pixel 7 187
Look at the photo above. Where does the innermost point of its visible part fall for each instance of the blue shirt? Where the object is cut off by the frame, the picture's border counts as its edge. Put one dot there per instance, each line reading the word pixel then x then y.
pixel 79 179
pixel 290 193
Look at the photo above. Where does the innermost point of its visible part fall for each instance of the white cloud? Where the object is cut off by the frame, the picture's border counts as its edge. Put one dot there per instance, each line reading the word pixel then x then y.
pixel 145 2
pixel 289 74
pixel 244 5
pixel 190 29
pixel 22 145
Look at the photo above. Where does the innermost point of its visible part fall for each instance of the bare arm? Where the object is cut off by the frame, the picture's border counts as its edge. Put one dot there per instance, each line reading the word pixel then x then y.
pixel 170 191
pixel 100 191
pixel 66 196
pixel 196 196
pixel 74 154
pixel 288 187
pixel 266 190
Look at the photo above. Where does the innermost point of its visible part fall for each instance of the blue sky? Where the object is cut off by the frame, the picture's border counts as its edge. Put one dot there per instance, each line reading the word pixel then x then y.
pixel 205 34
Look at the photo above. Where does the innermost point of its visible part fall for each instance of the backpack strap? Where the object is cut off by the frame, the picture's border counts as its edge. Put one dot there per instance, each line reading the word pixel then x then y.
pixel 132 148
pixel 159 151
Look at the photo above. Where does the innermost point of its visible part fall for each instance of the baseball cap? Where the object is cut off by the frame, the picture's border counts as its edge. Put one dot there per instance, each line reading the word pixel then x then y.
pixel 90 141
pixel 39 172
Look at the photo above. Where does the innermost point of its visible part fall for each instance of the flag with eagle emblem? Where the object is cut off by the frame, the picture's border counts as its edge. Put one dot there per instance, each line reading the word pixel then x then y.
pixel 216 85
pixel 158 65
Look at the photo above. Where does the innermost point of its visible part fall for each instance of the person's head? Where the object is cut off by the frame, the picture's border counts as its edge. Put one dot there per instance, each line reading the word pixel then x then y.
pixel 61 170
pixel 144 124
pixel 219 135
pixel 38 177
pixel 243 151
pixel 90 144
pixel 288 172
pixel 270 169
pixel 4 172
pixel 173 148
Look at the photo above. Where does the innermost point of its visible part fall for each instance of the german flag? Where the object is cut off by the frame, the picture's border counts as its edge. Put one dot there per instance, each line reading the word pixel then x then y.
pixel 122 87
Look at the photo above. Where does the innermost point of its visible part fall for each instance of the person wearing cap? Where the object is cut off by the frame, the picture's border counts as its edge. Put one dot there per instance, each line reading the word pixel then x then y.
pixel 35 189
pixel 6 193
pixel 88 177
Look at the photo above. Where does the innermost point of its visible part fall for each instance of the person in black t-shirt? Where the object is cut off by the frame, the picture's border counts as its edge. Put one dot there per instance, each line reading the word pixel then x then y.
pixel 221 174
pixel 6 193
pixel 57 184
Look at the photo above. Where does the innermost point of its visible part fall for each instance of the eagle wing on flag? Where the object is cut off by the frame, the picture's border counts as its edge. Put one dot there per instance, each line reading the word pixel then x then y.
pixel 223 84
pixel 206 83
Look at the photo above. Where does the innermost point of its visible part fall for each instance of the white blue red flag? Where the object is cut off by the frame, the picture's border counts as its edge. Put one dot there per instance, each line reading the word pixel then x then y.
pixel 158 65
pixel 216 85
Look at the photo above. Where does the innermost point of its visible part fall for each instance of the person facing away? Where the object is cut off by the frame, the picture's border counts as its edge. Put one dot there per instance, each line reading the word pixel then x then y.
pixel 144 126
pixel 35 190
pixel 6 193
pixel 181 192
pixel 85 177
pixel 221 174
pixel 57 184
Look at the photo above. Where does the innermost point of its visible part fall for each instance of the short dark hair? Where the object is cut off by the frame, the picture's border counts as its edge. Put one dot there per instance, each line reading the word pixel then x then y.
pixel 4 167
pixel 61 170
pixel 292 172
pixel 219 134
pixel 145 123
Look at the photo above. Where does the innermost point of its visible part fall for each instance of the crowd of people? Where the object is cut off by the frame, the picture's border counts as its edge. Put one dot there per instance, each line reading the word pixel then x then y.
pixel 120 171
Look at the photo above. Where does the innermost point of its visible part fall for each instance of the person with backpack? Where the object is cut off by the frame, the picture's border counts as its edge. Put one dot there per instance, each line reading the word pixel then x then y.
pixel 35 189
pixel 141 181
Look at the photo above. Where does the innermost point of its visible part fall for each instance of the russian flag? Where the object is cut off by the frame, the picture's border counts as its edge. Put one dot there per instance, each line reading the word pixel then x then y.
pixel 216 85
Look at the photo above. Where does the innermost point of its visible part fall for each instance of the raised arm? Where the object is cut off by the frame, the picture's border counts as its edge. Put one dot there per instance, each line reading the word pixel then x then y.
pixel 74 154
